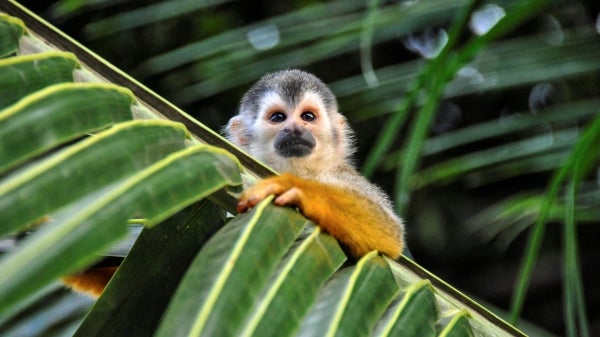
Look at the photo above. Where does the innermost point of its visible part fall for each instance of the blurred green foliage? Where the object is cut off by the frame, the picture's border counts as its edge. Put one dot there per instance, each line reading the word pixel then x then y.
pixel 479 130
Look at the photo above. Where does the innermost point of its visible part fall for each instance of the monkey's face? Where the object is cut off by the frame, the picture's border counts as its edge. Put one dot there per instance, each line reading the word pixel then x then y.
pixel 289 121
pixel 289 130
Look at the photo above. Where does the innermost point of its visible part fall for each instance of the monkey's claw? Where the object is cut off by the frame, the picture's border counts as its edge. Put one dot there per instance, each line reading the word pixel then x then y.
pixel 245 204
pixel 252 197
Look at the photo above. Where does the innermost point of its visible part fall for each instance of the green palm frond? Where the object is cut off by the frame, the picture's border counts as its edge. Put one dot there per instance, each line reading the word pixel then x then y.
pixel 191 271
pixel 402 96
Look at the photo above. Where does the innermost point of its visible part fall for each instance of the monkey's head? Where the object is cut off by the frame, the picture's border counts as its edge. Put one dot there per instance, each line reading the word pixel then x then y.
pixel 290 120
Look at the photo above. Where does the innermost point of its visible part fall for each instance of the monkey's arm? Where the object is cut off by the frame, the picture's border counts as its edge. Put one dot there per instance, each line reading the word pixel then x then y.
pixel 357 221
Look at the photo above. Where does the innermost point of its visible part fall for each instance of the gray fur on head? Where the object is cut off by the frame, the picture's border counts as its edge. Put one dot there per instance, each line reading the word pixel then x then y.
pixel 290 84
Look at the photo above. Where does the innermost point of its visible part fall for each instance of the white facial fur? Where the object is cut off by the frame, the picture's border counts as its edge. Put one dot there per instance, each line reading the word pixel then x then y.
pixel 321 129
pixel 328 140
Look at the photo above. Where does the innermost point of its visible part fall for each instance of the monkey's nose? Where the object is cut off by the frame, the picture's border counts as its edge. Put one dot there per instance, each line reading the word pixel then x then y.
pixel 294 130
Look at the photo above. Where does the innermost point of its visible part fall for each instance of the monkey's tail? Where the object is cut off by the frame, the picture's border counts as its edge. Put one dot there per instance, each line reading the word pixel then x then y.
pixel 90 282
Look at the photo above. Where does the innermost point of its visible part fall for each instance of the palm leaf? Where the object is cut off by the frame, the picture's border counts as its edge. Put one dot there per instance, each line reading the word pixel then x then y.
pixel 324 32
pixel 342 309
pixel 49 113
pixel 413 314
pixel 297 280
pixel 23 196
pixel 170 246
pixel 26 74
pixel 85 228
pixel 235 282
pixel 228 261
pixel 11 29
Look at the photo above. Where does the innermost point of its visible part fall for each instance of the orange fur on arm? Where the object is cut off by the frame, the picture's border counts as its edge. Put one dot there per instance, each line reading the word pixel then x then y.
pixel 358 222
pixel 90 282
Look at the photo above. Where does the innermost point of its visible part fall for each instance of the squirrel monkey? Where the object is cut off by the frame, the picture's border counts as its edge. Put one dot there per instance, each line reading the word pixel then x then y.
pixel 290 121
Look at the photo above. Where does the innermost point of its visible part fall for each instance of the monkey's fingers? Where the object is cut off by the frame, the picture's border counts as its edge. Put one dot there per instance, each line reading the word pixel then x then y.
pixel 257 193
pixel 245 204
pixel 247 201
pixel 291 197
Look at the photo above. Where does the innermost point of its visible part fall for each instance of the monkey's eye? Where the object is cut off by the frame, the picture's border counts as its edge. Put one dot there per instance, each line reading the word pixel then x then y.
pixel 308 116
pixel 277 117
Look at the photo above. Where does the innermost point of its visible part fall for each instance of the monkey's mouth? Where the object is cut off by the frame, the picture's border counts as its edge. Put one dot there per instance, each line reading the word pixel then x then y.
pixel 294 146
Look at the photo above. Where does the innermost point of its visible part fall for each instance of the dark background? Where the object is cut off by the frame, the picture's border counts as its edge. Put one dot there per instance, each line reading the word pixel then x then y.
pixel 440 217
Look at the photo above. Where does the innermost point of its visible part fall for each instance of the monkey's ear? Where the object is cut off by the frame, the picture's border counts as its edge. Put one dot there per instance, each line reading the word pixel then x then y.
pixel 236 131
pixel 344 136
pixel 340 121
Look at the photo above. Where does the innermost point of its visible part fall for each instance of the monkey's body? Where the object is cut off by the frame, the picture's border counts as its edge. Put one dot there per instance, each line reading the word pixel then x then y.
pixel 290 121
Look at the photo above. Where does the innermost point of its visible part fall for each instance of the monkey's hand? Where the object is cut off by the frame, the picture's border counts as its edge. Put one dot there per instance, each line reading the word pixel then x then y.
pixel 356 221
